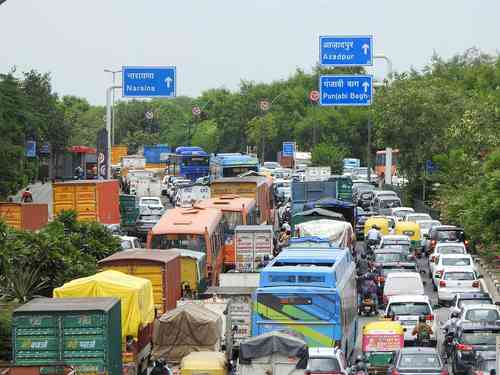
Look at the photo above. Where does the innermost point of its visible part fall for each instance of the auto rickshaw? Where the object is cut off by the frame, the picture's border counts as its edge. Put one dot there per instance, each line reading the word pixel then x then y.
pixel 379 221
pixel 206 363
pixel 381 340
pixel 412 230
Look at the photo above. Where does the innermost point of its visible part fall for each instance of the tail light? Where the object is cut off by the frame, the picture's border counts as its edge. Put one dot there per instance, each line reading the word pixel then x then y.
pixel 394 372
pixel 466 243
pixel 463 347
pixel 433 243
pixel 433 258
pixel 475 284
pixel 381 279
pixel 429 317
pixel 478 373
pixel 444 372
pixel 442 284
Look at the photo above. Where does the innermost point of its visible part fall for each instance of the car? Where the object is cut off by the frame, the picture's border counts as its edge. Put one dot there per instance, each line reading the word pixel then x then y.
pixel 441 262
pixel 145 223
pixel 164 185
pixel 418 360
pixel 417 217
pixel 393 256
pixel 463 299
pixel 407 309
pixel 151 205
pixel 129 242
pixel 480 313
pixel 400 212
pixel 400 283
pixel 383 205
pixel 396 241
pixel 485 363
pixel 326 361
pixel 446 248
pixel 425 227
pixel 364 198
pixel 456 280
pixel 470 341
pixel 446 233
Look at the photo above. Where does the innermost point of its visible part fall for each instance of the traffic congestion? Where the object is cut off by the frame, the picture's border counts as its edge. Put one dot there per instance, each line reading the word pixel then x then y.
pixel 227 266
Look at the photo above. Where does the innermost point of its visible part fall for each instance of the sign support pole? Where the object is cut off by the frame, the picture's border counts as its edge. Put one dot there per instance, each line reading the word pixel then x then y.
pixel 109 90
pixel 368 150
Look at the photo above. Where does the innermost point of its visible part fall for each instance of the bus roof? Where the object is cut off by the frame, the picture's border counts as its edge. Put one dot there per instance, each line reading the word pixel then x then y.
pixel 181 149
pixel 188 221
pixel 306 256
pixel 228 202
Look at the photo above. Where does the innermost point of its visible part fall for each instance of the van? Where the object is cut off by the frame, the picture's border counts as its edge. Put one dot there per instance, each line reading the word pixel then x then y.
pixel 399 283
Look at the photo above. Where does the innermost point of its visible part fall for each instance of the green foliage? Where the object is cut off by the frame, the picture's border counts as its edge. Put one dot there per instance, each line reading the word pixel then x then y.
pixel 207 136
pixel 324 154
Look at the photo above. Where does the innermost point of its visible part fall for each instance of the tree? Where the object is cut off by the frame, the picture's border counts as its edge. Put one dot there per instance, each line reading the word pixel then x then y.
pixel 206 136
pixel 261 130
pixel 324 154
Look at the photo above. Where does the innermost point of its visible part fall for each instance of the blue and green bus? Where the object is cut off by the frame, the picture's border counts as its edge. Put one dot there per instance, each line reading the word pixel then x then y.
pixel 311 293
pixel 190 162
pixel 232 165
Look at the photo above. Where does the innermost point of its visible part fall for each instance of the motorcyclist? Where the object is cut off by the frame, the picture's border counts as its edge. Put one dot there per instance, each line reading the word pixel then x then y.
pixel 373 236
pixel 363 265
pixel 368 288
pixel 422 330
pixel 450 326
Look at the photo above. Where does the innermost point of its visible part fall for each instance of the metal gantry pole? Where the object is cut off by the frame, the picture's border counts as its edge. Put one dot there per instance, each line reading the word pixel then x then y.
pixel 113 72
pixel 108 128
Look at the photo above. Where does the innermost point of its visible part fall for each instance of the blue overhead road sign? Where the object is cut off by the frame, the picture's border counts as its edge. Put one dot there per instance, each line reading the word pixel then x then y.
pixel 149 82
pixel 346 50
pixel 345 90
pixel 288 149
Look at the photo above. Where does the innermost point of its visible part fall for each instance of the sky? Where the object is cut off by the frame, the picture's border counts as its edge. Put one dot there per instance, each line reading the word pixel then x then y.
pixel 218 43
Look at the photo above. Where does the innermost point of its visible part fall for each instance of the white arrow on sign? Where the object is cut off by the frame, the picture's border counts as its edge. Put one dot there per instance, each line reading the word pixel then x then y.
pixel 365 86
pixel 168 81
pixel 365 47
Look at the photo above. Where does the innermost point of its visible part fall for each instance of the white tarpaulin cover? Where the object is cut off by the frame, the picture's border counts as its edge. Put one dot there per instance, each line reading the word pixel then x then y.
pixel 340 233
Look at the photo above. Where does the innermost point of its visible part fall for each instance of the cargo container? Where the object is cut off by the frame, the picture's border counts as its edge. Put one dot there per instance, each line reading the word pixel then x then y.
pixel 317 173
pixel 31 216
pixel 156 153
pixel 117 152
pixel 129 211
pixel 161 267
pixel 133 162
pixel 93 200
pixel 80 332
pixel 254 247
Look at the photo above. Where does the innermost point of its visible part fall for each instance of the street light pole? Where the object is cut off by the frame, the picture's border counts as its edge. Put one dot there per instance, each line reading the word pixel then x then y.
pixel 108 128
pixel 113 72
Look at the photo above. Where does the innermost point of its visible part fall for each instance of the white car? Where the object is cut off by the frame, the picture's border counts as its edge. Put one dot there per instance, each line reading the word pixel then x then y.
pixel 396 241
pixel 326 361
pixel 442 262
pixel 446 248
pixel 151 206
pixel 129 242
pixel 457 280
pixel 401 283
pixel 400 212
pixel 479 313
pixel 407 309
pixel 417 217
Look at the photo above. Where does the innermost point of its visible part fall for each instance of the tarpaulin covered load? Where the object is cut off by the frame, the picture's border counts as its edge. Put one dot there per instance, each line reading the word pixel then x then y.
pixel 272 343
pixel 340 233
pixel 188 328
pixel 135 293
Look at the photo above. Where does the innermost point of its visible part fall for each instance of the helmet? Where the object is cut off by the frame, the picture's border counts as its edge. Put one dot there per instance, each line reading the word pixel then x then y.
pixel 359 358
pixel 455 314
pixel 363 256
pixel 421 318
pixel 374 226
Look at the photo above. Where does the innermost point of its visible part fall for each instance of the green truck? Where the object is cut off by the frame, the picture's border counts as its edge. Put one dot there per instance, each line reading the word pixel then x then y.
pixel 57 333
pixel 129 212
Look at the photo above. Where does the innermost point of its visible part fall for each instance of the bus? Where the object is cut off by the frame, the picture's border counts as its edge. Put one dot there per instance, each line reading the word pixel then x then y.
pixel 232 165
pixel 311 293
pixel 380 162
pixel 197 229
pixel 259 188
pixel 236 211
pixel 189 162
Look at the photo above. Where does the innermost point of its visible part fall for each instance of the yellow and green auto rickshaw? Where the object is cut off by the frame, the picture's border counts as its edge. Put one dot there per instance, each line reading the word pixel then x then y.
pixel 380 221
pixel 412 230
pixel 381 340
pixel 206 363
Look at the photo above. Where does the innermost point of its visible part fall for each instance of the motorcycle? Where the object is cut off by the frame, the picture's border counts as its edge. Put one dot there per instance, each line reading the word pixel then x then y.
pixel 161 368
pixel 368 306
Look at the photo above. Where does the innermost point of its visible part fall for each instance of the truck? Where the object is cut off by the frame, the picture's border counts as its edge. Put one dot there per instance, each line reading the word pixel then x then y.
pixel 157 154
pixel 31 216
pixel 83 333
pixel 133 162
pixel 117 153
pixel 317 173
pixel 93 200
pixel 253 247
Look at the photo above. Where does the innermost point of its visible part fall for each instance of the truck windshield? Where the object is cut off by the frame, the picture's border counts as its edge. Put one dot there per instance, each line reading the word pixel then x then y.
pixel 188 242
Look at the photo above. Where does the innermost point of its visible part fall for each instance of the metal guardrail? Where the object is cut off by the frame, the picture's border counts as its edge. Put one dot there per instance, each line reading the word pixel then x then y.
pixel 491 276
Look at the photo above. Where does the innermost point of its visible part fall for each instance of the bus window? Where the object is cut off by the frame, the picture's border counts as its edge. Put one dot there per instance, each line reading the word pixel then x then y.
pixel 196 243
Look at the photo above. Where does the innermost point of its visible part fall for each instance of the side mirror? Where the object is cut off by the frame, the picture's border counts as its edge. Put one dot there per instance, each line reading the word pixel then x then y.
pixel 479 276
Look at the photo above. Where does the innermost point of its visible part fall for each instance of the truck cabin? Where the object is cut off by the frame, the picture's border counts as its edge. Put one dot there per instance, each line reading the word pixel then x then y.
pixel 198 229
